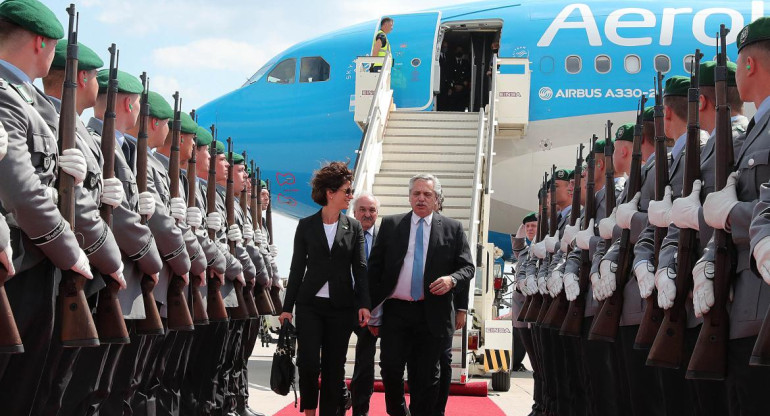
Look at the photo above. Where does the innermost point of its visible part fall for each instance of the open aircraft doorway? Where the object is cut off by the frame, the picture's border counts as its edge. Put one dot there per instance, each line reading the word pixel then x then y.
pixel 465 61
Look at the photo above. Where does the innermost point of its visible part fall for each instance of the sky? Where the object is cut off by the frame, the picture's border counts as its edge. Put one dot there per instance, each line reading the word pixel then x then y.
pixel 204 49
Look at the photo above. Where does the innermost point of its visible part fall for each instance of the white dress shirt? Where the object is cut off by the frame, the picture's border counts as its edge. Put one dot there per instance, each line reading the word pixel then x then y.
pixel 403 289
pixel 331 231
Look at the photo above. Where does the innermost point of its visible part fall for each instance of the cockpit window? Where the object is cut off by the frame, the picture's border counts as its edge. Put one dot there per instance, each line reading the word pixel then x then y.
pixel 313 69
pixel 284 72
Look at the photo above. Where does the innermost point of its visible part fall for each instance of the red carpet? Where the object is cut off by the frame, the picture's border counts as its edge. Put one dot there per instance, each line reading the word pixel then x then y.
pixel 456 406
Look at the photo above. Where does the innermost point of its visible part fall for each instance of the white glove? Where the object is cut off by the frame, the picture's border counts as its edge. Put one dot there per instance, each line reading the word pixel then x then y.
pixel 202 279
pixel 550 243
pixel 716 209
pixel 538 249
pixel 659 212
pixel 627 210
pixel 645 276
pixel 274 250
pixel 571 286
pixel 194 218
pixel 762 256
pixel 542 288
pixel 279 284
pixel 684 212
pixel 3 141
pixel 73 163
pixel 258 236
pixel 555 283
pixel 607 225
pixel 82 266
pixel 583 238
pixel 521 286
pixel 248 233
pixel 214 221
pixel 234 234
pixel 6 260
pixel 118 276
pixel 241 279
pixel 146 204
pixel 263 240
pixel 607 270
pixel 112 192
pixel 666 285
pixel 530 285
pixel 703 287
pixel 178 209
pixel 570 231
pixel 596 286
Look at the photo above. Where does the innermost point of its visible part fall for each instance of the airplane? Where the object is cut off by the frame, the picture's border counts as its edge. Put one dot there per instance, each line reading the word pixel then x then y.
pixel 590 61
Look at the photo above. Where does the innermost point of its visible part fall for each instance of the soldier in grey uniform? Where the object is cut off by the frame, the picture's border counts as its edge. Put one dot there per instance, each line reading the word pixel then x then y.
pixel 6 252
pixel 96 239
pixel 731 209
pixel 41 240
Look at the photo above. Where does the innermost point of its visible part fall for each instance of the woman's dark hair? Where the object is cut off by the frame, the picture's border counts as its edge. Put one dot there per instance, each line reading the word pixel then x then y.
pixel 330 177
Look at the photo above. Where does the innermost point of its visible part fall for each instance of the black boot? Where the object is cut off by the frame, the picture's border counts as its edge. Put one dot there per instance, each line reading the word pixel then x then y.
pixel 242 409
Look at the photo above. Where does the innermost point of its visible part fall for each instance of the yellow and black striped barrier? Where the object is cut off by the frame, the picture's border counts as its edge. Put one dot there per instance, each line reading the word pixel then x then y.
pixel 496 360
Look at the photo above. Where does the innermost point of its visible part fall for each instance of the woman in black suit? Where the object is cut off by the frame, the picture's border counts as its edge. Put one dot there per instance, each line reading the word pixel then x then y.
pixel 328 250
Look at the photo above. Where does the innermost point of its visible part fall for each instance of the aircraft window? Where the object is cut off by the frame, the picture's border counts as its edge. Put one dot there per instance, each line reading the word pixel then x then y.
pixel 573 64
pixel 662 63
pixel 313 69
pixel 284 72
pixel 547 64
pixel 688 61
pixel 603 64
pixel 633 64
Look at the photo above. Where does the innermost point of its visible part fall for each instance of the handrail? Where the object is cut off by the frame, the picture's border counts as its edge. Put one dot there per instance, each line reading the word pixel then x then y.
pixel 492 123
pixel 474 221
pixel 366 136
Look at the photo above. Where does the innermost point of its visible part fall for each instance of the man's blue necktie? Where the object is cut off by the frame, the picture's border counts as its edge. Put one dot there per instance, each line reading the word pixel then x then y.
pixel 417 265
pixel 366 245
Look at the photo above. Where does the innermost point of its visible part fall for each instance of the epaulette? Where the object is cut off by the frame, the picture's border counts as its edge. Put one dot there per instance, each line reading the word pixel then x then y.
pixel 22 93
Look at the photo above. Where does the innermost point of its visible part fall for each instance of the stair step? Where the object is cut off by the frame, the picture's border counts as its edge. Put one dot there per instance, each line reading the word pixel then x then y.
pixel 387 179
pixel 408 146
pixel 431 132
pixel 433 115
pixel 427 156
pixel 450 193
pixel 434 124
pixel 436 168
pixel 432 139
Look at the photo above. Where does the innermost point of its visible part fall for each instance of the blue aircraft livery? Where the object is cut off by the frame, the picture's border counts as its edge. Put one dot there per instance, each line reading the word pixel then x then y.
pixel 590 61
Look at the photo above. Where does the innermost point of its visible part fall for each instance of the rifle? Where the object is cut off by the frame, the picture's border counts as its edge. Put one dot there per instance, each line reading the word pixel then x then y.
pixel 248 291
pixel 77 325
pixel 275 292
pixel 531 298
pixel 709 358
pixel 215 305
pixel 265 304
pixel 195 299
pixel 653 314
pixel 10 339
pixel 240 312
pixel 606 322
pixel 668 348
pixel 552 231
pixel 573 322
pixel 151 324
pixel 109 315
pixel 555 316
pixel 179 318
pixel 537 298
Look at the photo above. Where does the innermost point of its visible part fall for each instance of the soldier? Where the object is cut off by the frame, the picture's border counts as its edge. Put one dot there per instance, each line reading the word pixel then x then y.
pixel 41 239
pixel 6 252
pixel 97 240
pixel 731 209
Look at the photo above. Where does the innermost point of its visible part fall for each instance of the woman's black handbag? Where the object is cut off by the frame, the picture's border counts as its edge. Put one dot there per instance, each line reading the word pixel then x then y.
pixel 283 373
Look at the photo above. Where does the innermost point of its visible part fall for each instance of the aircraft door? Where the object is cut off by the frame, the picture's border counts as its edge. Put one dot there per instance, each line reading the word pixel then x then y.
pixel 412 43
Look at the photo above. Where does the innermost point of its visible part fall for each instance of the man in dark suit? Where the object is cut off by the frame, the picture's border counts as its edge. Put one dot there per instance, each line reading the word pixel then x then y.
pixel 417 260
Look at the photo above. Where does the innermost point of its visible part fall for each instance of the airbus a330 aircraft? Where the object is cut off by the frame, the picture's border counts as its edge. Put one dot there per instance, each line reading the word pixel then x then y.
pixel 589 62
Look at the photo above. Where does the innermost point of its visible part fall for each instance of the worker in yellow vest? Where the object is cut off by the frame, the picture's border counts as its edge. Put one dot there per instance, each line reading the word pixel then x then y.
pixel 380 45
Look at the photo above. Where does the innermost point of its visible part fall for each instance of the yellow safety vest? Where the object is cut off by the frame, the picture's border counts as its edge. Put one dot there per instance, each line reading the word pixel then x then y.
pixel 383 51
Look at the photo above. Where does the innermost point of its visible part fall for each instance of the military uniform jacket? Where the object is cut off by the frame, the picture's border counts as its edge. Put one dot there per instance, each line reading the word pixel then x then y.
pixel 140 254
pixel 519 274
pixel 214 258
pixel 249 271
pixel 29 167
pixel 751 295
pixel 263 276
pixel 231 268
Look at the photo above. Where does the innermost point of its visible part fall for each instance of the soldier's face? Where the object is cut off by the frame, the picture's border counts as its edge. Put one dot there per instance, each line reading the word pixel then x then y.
pixel 531 229
pixel 202 159
pixel 222 166
pixel 562 193
pixel 90 87
pixel 264 198
pixel 238 183
pixel 186 148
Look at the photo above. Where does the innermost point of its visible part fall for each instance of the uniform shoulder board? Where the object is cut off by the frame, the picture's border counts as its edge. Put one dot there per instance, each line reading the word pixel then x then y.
pixel 22 92
pixel 740 129
pixel 3 84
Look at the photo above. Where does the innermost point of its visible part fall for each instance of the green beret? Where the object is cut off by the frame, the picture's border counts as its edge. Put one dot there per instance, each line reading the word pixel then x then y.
pixel 531 217
pixel 203 137
pixel 127 83
pixel 87 58
pixel 248 170
pixel 707 74
pixel 263 184
pixel 33 16
pixel 677 86
pixel 649 114
pixel 238 159
pixel 188 124
pixel 220 147
pixel 625 132
pixel 599 146
pixel 563 174
pixel 159 107
pixel 755 31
